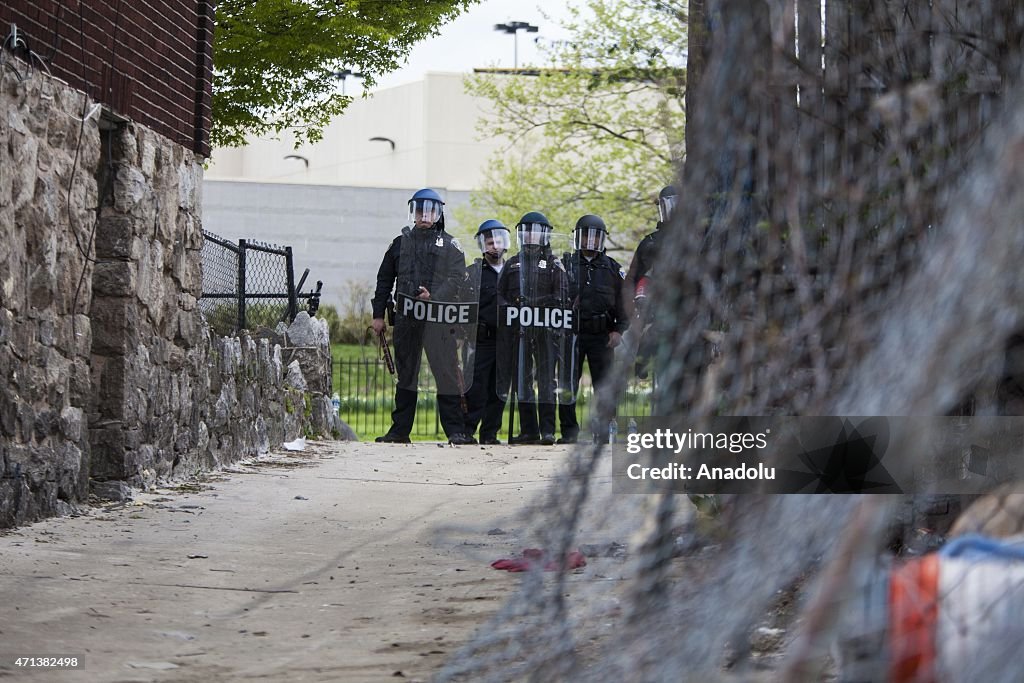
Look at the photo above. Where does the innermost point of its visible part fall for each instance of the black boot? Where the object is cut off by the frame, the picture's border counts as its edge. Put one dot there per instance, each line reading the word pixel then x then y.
pixel 392 438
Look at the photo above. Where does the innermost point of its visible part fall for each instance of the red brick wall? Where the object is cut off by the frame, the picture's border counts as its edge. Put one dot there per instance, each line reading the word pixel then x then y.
pixel 149 60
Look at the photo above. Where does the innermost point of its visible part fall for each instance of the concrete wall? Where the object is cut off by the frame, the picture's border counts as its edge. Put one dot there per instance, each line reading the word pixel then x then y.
pixel 339 233
pixel 432 122
pixel 107 368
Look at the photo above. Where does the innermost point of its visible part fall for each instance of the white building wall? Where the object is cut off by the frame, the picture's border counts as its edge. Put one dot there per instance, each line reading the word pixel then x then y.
pixel 455 152
pixel 432 123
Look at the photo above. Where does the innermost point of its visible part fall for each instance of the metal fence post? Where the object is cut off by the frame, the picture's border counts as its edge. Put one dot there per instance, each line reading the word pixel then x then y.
pixel 242 244
pixel 293 301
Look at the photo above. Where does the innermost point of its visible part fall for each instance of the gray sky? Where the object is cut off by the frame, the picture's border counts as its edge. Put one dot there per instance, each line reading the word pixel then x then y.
pixel 471 41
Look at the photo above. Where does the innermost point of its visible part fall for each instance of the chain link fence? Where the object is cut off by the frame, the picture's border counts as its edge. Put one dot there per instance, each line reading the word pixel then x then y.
pixel 849 243
pixel 249 285
pixel 219 302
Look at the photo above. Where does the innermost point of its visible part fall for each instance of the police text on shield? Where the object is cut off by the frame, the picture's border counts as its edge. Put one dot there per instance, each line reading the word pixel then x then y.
pixel 437 311
pixel 537 316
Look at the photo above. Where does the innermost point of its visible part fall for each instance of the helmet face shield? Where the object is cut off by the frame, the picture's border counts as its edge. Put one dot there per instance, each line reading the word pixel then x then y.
pixel 533 234
pixel 589 239
pixel 424 211
pixel 495 241
pixel 666 207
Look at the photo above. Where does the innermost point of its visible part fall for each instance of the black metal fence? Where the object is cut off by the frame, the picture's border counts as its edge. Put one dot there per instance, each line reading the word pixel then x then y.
pixel 366 393
pixel 250 284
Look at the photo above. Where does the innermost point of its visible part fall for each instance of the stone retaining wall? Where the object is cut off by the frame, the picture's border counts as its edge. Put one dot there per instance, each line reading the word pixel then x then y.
pixel 107 368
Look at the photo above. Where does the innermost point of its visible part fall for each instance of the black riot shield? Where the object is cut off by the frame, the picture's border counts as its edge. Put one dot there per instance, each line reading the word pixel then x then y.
pixel 435 313
pixel 536 322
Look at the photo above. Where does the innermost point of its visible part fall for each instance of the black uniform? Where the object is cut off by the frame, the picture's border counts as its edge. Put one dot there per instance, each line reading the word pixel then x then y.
pixel 437 261
pixel 532 278
pixel 484 398
pixel 644 256
pixel 643 260
pixel 596 287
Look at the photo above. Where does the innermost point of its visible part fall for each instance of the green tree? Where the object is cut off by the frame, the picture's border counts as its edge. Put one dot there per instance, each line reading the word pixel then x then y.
pixel 275 60
pixel 350 324
pixel 601 131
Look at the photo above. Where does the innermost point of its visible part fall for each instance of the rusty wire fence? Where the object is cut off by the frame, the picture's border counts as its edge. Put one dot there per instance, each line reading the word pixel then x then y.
pixel 849 243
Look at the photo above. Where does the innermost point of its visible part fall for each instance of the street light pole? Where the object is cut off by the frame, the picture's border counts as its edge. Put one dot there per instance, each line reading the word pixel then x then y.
pixel 514 27
pixel 345 73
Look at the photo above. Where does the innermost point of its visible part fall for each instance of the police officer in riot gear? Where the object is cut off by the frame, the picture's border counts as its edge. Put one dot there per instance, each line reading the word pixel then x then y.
pixel 640 271
pixel 424 256
pixel 484 399
pixel 647 250
pixel 601 318
pixel 533 278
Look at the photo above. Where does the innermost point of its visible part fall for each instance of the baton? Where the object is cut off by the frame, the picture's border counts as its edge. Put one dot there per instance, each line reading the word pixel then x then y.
pixel 462 386
pixel 385 351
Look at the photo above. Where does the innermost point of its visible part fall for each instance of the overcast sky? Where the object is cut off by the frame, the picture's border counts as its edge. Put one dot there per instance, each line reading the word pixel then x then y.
pixel 471 41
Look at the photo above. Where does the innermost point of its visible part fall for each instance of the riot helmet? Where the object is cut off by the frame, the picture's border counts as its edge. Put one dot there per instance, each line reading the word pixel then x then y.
pixel 425 206
pixel 667 199
pixel 533 230
pixel 493 237
pixel 590 233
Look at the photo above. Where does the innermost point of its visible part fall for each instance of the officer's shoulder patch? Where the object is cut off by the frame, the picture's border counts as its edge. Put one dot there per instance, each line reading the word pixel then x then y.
pixel 458 247
pixel 622 273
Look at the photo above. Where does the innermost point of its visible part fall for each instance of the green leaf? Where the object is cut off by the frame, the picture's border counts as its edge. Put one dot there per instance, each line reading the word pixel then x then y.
pixel 601 131
pixel 274 60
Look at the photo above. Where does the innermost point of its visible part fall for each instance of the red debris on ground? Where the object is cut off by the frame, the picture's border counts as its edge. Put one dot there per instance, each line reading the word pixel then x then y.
pixel 536 557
